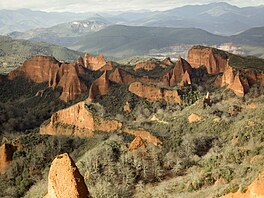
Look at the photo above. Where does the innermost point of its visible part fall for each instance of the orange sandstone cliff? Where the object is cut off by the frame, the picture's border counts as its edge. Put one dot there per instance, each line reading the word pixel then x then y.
pixel 99 87
pixel 47 69
pixel 65 180
pixel 214 61
pixel 154 93
pixel 254 190
pixel 137 143
pixel 94 63
pixel 6 154
pixel 79 121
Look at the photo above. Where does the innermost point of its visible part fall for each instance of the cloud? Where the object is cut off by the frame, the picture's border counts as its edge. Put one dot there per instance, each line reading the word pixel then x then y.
pixel 110 5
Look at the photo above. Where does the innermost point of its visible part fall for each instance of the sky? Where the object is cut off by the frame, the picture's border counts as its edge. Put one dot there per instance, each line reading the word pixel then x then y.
pixel 112 5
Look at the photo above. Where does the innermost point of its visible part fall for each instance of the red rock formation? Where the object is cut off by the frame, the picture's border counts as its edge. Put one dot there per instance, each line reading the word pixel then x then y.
pixel 254 190
pixel 38 69
pixel 228 77
pixel 6 154
pixel 211 58
pixel 109 66
pixel 186 79
pixel 181 70
pixel 68 78
pixel 154 93
pixel 143 134
pixel 47 69
pixel 136 144
pixel 79 121
pixel 94 63
pixel 65 180
pixel 99 87
pixel 239 87
pixel 121 77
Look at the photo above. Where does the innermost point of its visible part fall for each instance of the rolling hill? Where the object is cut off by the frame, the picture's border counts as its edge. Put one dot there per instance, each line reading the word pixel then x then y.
pixel 14 52
pixel 119 40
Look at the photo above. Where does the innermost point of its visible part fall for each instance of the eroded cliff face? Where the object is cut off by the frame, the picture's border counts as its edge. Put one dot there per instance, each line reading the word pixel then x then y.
pixel 99 87
pixel 120 76
pixel 6 155
pixel 179 75
pixel 65 180
pixel 254 190
pixel 38 69
pixel 47 69
pixel 94 63
pixel 235 81
pixel 154 93
pixel 214 61
pixel 77 120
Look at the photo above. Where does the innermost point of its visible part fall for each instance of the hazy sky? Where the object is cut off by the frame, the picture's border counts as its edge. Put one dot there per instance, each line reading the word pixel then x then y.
pixel 112 5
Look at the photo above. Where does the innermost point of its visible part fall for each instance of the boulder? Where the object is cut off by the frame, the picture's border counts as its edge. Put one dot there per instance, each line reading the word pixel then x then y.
pixel 65 180
pixel 194 118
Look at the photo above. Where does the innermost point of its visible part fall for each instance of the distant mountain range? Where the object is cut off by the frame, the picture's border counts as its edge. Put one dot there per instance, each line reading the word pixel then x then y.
pixel 122 41
pixel 25 19
pixel 217 18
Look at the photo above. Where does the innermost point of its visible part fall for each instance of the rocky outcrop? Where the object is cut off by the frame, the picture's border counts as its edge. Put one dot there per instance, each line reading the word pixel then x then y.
pixel 38 69
pixel 239 87
pixel 153 93
pixel 120 76
pixel 194 118
pixel 143 134
pixel 228 77
pixel 6 155
pixel 77 120
pixel 67 77
pixel 214 60
pixel 109 66
pixel 94 63
pixel 99 87
pixel 47 69
pixel 65 180
pixel 180 74
pixel 238 84
pixel 136 144
pixel 254 190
